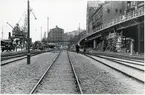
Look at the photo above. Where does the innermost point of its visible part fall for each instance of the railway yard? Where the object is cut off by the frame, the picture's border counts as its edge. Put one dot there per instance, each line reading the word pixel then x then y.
pixel 95 48
pixel 68 72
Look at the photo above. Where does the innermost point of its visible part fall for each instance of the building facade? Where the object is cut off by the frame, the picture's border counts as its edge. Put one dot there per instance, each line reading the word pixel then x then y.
pixel 91 8
pixel 106 12
pixel 132 5
pixel 56 35
pixel 112 10
pixel 125 19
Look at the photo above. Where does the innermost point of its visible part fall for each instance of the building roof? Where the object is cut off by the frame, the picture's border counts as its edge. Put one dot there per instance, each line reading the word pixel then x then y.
pixel 56 28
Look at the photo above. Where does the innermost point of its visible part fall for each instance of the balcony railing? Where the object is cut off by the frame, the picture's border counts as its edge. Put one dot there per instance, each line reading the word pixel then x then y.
pixel 122 18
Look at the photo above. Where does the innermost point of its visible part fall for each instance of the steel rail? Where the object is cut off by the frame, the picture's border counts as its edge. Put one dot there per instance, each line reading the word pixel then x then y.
pixel 35 87
pixel 125 60
pixel 11 56
pixel 13 61
pixel 78 83
pixel 116 61
pixel 17 59
pixel 139 80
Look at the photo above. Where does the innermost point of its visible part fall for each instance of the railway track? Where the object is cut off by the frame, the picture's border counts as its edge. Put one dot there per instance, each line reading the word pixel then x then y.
pixel 133 71
pixel 15 58
pixel 134 61
pixel 18 54
pixel 60 77
pixel 131 64
pixel 11 56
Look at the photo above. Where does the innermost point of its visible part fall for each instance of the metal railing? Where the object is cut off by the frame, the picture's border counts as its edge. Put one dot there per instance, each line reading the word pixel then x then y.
pixel 122 18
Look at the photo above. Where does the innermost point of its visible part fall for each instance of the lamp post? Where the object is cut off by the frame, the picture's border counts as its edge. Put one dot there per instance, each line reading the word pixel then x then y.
pixel 28 35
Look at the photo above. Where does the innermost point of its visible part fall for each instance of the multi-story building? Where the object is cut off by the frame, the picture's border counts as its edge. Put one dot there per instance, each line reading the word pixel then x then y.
pixel 124 18
pixel 106 12
pixel 132 5
pixel 56 35
pixel 97 18
pixel 91 7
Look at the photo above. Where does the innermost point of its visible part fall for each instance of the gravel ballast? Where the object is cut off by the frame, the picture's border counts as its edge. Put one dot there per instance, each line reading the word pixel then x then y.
pixel 96 78
pixel 59 79
pixel 19 77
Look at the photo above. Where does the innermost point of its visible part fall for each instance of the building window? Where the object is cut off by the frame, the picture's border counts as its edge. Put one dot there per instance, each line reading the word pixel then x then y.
pixel 120 11
pixel 116 10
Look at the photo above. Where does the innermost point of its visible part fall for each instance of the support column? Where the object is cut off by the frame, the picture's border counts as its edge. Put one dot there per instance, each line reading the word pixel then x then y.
pixel 131 47
pixel 94 44
pixel 138 31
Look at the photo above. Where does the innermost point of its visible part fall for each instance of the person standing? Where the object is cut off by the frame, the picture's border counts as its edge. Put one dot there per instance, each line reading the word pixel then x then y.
pixel 77 48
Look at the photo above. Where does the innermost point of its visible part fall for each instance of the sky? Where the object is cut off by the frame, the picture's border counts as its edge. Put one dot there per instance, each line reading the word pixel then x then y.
pixel 66 14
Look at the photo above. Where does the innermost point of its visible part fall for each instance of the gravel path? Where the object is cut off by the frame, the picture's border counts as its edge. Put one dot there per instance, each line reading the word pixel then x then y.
pixel 96 78
pixel 19 78
pixel 59 79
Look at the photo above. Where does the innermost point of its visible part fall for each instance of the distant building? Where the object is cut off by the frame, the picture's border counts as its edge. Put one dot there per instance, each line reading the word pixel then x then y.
pixel 74 36
pixel 74 33
pixel 56 35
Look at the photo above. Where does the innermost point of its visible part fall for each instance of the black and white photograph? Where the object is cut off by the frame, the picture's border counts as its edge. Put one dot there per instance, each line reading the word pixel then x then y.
pixel 72 47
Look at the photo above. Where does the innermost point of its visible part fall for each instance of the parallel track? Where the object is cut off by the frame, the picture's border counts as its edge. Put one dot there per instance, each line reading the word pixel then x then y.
pixel 135 62
pixel 134 65
pixel 47 70
pixel 123 72
pixel 11 56
pixel 17 59
pixel 5 63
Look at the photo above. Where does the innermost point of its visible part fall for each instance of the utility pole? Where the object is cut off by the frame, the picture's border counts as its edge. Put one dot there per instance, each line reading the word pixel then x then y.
pixel 79 31
pixel 47 25
pixel 41 33
pixel 28 35
pixel 79 27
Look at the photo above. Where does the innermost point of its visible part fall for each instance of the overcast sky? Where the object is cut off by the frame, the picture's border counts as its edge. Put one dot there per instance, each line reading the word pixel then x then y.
pixel 67 14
